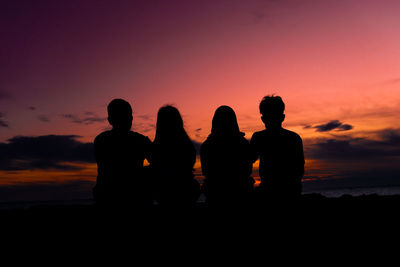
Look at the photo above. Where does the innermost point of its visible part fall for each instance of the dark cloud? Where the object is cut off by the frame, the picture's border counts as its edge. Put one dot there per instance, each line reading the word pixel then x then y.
pixel 197 132
pixel 71 117
pixel 345 127
pixel 387 144
pixel 332 125
pixel 32 108
pixel 43 118
pixel 44 152
pixel 328 126
pixel 3 123
pixel 351 162
pixel 89 118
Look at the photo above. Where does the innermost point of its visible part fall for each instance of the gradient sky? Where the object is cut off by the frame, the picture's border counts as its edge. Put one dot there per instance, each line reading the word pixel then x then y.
pixel 336 64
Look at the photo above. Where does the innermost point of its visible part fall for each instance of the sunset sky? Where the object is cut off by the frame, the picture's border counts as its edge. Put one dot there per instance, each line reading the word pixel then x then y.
pixel 336 64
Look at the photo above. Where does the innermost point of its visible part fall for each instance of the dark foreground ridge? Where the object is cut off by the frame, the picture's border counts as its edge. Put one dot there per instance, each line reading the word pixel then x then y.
pixel 313 222
pixel 370 208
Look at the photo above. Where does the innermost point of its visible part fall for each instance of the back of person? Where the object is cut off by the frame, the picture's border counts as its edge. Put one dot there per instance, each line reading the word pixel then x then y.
pixel 120 159
pixel 120 155
pixel 227 169
pixel 172 168
pixel 172 161
pixel 226 161
pixel 281 162
pixel 280 152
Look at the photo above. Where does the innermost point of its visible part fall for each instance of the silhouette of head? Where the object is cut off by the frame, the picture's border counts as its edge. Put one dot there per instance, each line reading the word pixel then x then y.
pixel 169 124
pixel 272 110
pixel 224 122
pixel 120 115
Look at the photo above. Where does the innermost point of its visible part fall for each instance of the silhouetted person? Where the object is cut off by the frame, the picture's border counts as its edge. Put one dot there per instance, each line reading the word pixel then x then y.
pixel 280 152
pixel 120 154
pixel 172 161
pixel 226 161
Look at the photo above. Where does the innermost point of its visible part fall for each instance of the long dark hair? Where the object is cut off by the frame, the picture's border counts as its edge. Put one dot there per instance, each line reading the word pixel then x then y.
pixel 169 128
pixel 224 123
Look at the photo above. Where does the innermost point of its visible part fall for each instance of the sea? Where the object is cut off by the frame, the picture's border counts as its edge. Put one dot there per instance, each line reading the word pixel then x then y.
pixel 357 191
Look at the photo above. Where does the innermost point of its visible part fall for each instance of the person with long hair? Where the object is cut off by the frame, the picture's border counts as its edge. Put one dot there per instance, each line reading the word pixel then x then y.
pixel 226 161
pixel 172 161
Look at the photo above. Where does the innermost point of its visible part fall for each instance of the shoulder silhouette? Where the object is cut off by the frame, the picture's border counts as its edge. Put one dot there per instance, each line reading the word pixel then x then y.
pixel 280 152
pixel 226 161
pixel 172 161
pixel 120 155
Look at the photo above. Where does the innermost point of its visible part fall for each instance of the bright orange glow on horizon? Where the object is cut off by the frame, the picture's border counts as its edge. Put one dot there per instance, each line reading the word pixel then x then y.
pixel 86 172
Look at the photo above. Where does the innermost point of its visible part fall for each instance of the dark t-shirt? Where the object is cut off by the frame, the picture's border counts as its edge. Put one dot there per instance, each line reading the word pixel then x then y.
pixel 281 159
pixel 120 158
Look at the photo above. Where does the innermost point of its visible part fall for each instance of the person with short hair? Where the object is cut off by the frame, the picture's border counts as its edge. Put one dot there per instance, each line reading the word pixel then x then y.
pixel 280 152
pixel 120 155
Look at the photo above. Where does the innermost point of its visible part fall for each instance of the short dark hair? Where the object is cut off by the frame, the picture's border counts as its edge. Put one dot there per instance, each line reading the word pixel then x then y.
pixel 272 104
pixel 118 106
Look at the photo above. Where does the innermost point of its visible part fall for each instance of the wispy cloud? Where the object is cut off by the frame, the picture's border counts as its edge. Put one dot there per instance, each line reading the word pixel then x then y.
pixel 144 127
pixel 43 118
pixel 87 118
pixel 258 16
pixel 144 117
pixel 144 123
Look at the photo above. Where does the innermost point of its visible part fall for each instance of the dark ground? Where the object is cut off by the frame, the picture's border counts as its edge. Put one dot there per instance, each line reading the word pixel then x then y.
pixel 292 231
pixel 309 210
